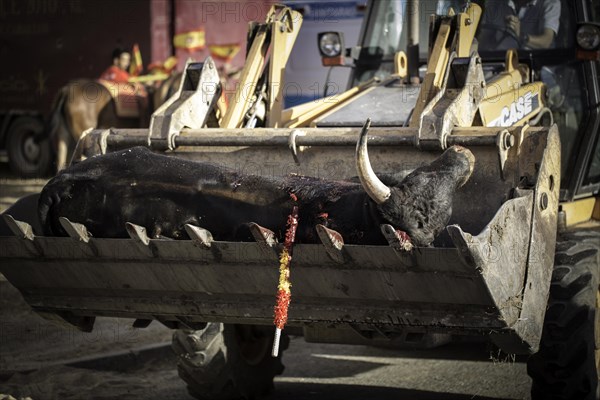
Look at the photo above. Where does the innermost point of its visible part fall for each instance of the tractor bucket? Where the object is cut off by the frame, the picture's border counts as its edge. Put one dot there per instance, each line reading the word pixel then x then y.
pixel 487 274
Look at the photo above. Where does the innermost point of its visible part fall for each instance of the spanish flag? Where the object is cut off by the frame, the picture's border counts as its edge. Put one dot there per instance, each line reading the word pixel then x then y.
pixel 224 52
pixel 170 64
pixel 136 66
pixel 190 41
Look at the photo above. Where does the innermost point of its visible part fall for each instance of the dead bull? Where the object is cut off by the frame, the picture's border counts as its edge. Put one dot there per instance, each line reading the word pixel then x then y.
pixel 164 193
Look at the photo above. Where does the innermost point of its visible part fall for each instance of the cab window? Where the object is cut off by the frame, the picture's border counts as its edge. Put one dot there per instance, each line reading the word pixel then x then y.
pixel 524 24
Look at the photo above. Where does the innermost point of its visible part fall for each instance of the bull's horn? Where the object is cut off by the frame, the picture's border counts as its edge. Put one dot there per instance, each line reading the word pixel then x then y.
pixel 376 190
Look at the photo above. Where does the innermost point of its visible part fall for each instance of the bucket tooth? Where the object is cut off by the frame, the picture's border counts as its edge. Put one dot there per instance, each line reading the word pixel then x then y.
pixel 79 233
pixel 137 233
pixel 75 230
pixel 397 239
pixel 465 243
pixel 23 231
pixel 200 236
pixel 140 237
pixel 265 238
pixel 20 229
pixel 333 242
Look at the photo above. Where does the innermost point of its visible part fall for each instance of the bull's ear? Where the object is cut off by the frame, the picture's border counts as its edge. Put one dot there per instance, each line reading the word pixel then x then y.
pixel 376 189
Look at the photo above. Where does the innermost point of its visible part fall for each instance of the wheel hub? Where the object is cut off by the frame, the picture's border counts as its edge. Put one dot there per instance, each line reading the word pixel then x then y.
pixel 31 150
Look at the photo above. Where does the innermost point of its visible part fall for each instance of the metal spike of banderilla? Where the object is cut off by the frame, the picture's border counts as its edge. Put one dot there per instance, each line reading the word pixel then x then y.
pixel 276 339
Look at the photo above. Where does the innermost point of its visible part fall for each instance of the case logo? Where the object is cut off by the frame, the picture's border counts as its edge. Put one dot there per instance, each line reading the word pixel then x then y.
pixel 517 110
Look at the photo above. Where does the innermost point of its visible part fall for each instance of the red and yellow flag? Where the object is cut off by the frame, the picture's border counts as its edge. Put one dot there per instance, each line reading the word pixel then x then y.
pixel 190 41
pixel 224 52
pixel 136 66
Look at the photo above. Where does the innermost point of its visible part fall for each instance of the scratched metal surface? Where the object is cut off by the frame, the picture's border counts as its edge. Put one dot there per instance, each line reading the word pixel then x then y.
pixel 388 105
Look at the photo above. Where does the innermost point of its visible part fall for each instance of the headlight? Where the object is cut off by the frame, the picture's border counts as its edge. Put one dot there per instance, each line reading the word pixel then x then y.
pixel 330 44
pixel 588 36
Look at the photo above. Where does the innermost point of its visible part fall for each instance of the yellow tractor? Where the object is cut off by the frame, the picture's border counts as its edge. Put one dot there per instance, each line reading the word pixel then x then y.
pixel 518 263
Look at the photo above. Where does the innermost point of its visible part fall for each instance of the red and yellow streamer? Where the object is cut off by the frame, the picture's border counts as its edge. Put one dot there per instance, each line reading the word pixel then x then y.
pixel 284 288
pixel 284 292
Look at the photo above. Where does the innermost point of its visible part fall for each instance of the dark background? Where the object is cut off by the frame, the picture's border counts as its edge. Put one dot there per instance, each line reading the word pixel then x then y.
pixel 46 43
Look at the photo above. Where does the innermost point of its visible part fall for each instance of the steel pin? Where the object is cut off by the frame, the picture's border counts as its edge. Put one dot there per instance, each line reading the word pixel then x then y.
pixel 276 339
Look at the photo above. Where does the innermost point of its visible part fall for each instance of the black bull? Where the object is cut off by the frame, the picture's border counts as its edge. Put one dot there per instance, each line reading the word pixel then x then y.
pixel 164 193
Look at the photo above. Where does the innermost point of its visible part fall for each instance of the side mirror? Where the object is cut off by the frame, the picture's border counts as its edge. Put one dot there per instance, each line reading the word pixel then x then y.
pixel 331 47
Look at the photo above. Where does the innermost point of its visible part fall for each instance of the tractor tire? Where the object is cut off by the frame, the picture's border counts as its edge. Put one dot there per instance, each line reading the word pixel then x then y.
pixel 567 363
pixel 26 157
pixel 226 361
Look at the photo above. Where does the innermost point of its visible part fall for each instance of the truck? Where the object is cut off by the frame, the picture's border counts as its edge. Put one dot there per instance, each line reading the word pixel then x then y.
pixel 517 264
pixel 306 79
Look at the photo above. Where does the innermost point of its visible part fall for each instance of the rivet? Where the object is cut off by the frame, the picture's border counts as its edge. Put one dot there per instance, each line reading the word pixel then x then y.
pixel 544 201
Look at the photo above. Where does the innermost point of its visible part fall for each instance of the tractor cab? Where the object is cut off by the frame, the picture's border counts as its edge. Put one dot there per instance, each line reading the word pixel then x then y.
pixel 568 65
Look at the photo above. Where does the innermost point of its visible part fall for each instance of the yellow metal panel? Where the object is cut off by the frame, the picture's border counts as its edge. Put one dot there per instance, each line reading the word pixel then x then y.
pixel 443 46
pixel 512 107
pixel 502 83
pixel 467 23
pixel 579 210
pixel 252 70
pixel 279 32
pixel 322 106
pixel 400 64
pixel 284 33
pixel 436 68
pixel 438 62
pixel 296 111
pixel 255 62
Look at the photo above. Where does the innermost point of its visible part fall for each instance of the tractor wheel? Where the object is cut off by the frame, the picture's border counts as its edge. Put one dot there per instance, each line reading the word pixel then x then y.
pixel 567 363
pixel 26 157
pixel 226 361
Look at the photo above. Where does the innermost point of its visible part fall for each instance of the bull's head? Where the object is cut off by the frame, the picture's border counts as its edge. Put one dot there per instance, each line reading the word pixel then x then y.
pixel 421 204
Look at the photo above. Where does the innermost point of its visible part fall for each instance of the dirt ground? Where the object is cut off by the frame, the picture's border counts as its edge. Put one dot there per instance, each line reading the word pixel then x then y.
pixel 42 361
